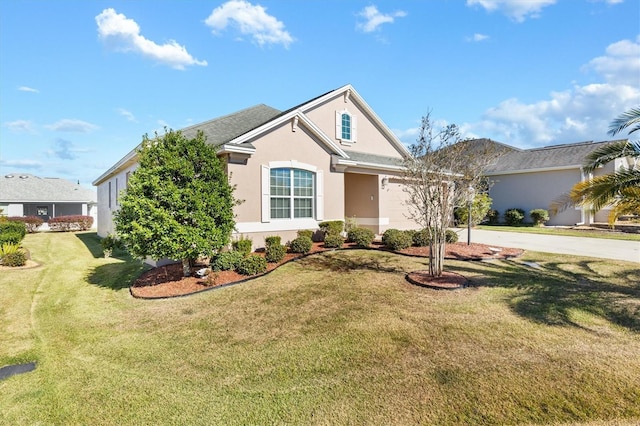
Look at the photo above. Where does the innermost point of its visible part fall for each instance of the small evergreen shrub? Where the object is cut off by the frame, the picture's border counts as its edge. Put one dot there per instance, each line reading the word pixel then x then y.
pixel 333 241
pixel 331 227
pixel 252 265
pixel 450 236
pixel 243 245
pixel 350 223
pixel 274 240
pixel 16 229
pixel 397 240
pixel 301 245
pixel 32 223
pixel 421 238
pixel 111 242
pixel 226 261
pixel 362 237
pixel 10 237
pixel 12 255
pixel 539 216
pixel 493 216
pixel 305 233
pixel 514 217
pixel 274 253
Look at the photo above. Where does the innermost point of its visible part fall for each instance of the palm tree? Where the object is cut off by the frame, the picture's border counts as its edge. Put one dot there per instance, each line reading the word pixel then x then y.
pixel 620 189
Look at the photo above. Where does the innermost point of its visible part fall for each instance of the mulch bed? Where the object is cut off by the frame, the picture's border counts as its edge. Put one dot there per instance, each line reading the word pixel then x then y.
pixel 167 281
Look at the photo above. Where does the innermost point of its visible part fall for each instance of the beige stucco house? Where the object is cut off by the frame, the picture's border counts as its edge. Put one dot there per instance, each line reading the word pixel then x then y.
pixel 533 178
pixel 329 158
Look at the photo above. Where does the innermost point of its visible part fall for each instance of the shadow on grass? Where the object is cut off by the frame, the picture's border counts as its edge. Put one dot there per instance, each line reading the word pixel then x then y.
pixel 553 294
pixel 117 276
pixel 92 241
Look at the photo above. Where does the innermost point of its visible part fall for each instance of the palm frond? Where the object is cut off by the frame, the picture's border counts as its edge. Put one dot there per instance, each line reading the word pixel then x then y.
pixel 610 152
pixel 603 190
pixel 624 120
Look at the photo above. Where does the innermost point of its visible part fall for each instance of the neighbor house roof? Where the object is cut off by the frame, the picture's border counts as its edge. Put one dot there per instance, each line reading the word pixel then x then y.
pixel 24 188
pixel 554 157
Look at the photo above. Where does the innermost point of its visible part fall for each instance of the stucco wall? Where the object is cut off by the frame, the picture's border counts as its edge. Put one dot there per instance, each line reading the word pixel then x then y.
pixel 361 198
pixel 393 206
pixel 530 191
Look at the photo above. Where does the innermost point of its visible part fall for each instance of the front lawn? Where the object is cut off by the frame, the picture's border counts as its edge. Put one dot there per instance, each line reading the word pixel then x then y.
pixel 335 338
pixel 568 232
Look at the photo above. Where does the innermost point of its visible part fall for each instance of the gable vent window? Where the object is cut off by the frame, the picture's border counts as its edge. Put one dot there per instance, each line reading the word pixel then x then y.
pixel 346 127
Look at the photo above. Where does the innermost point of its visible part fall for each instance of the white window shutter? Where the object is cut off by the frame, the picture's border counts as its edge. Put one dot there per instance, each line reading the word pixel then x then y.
pixel 266 185
pixel 354 128
pixel 338 125
pixel 319 195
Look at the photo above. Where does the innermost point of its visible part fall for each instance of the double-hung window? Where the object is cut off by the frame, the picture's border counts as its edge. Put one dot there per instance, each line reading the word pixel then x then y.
pixel 291 193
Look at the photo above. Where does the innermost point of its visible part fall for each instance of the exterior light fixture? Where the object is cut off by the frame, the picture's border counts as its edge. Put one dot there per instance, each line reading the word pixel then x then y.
pixel 385 182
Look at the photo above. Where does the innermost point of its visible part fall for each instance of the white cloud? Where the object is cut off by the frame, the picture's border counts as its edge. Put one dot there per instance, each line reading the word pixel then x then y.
pixel 250 20
pixel 577 114
pixel 71 125
pixel 127 114
pixel 125 33
pixel 22 164
pixel 28 89
pixel 18 126
pixel 374 19
pixel 518 10
pixel 478 37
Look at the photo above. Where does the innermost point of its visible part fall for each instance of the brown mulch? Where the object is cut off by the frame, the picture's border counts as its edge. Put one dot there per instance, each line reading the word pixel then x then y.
pixel 167 281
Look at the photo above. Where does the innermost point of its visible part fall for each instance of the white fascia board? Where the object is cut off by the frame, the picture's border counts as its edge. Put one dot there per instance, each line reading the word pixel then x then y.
pixel 236 149
pixel 283 119
pixel 128 159
pixel 360 100
pixel 540 169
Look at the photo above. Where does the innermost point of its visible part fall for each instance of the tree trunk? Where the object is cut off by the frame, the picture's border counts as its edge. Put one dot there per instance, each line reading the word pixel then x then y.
pixel 186 267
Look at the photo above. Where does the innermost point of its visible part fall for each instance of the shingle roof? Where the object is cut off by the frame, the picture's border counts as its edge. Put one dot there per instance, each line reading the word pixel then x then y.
pixel 555 156
pixel 24 187
pixel 223 129
pixel 361 157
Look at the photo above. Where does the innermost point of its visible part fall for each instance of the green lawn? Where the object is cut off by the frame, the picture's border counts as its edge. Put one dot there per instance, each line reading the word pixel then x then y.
pixel 563 231
pixel 336 338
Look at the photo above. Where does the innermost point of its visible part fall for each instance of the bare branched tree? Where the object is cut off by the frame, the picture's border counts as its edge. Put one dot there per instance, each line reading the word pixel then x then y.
pixel 439 176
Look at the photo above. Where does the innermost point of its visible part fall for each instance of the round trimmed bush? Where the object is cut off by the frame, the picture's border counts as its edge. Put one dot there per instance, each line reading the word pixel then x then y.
pixel 450 236
pixel 362 237
pixel 333 241
pixel 421 238
pixel 273 240
pixel 396 240
pixel 275 253
pixel 252 265
pixel 10 238
pixel 331 227
pixel 301 245
pixel 226 261
pixel 514 217
pixel 539 216
pixel 493 216
pixel 305 233
pixel 243 245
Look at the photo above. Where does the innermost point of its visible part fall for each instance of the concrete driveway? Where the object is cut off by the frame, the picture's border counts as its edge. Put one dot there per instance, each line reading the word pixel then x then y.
pixel 579 246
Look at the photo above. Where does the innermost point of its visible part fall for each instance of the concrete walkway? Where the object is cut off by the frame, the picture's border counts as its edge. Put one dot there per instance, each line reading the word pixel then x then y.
pixel 579 246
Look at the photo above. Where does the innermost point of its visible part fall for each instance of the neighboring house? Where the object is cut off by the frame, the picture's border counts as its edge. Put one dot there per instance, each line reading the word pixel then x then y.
pixel 23 194
pixel 329 158
pixel 533 178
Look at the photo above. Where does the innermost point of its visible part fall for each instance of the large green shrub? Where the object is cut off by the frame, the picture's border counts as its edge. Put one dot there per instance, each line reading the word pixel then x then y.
pixel 252 265
pixel 10 237
pixel 12 227
pixel 226 261
pixel 301 245
pixel 362 237
pixel 479 208
pixel 539 216
pixel 395 239
pixel 514 217
pixel 333 241
pixel 421 238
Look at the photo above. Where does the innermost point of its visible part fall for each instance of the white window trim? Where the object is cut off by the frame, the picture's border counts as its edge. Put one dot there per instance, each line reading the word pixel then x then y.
pixel 266 190
pixel 354 127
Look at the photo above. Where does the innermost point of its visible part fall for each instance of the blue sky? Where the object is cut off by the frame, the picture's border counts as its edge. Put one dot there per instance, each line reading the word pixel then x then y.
pixel 82 81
